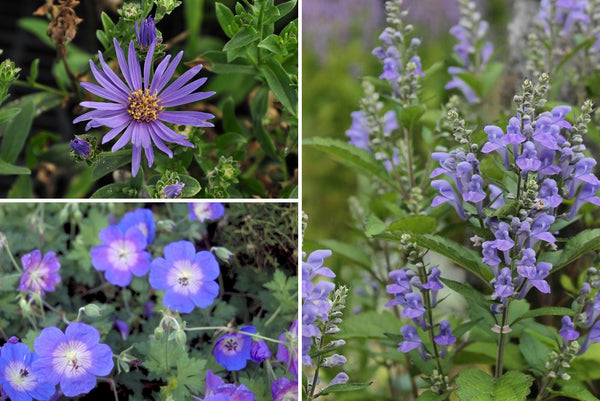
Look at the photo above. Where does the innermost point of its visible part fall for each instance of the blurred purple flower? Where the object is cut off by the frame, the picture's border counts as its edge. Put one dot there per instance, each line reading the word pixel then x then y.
pixel 39 275
pixel 203 211
pixel 283 352
pixel 567 331
pixel 141 218
pixel 81 147
pixel 217 390
pixel 122 328
pixel 283 389
pixel 259 351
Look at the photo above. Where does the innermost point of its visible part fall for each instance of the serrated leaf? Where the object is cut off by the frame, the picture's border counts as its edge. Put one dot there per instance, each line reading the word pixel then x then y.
pixel 431 396
pixel 351 156
pixel 584 242
pixel 109 162
pixel 338 388
pixel 575 390
pixel 534 351
pixel 414 224
pixel 280 84
pixel 475 385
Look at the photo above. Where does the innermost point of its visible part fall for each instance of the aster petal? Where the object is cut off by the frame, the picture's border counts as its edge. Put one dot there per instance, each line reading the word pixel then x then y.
pixel 149 151
pixel 82 332
pixel 124 139
pixel 111 77
pixel 45 344
pixel 206 294
pixel 178 302
pixel 102 105
pixel 136 158
pixel 158 73
pixel 123 64
pixel 188 99
pixel 209 265
pixel 134 68
pixel 184 91
pixel 88 116
pixel 114 132
pixel 158 142
pixel 179 82
pixel 104 93
pixel 103 360
pixel 159 269
pixel 169 135
pixel 148 64
pixel 77 385
pixel 158 84
pixel 120 118
pixel 180 250
pixel 193 118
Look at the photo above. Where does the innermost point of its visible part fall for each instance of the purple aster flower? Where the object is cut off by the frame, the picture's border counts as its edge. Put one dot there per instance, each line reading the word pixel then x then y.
pixel 285 355
pixel 284 389
pixel 141 218
pixel 216 387
pixel 203 211
pixel 503 287
pixel 73 358
pixel 39 275
pixel 121 255
pixel 122 328
pixel 232 350
pixel 188 277
pixel 314 265
pixel 414 306
pixel 447 195
pixel 81 147
pixel 17 378
pixel 259 351
pixel 587 194
pixel 139 105
pixel 173 190
pixel 567 331
pixel 147 34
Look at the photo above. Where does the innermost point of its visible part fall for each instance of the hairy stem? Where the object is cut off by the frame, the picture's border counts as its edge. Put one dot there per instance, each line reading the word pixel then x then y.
pixel 501 343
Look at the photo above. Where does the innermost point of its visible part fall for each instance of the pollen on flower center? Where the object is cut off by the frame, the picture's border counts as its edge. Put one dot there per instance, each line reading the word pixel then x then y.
pixel 19 376
pixel 142 106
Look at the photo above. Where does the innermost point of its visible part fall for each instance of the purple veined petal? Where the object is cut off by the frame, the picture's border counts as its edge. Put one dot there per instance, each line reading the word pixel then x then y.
pixel 193 118
pixel 134 68
pixel 206 294
pixel 159 269
pixel 103 363
pixel 90 115
pixel 109 79
pixel 169 135
pixel 136 158
pixel 181 81
pixel 158 142
pixel 158 84
pixel 188 99
pixel 123 64
pixel 177 301
pixel 124 139
pixel 45 344
pixel 179 250
pixel 104 93
pixel 102 105
pixel 77 385
pixel 114 132
pixel 158 73
pixel 181 92
pixel 137 136
pixel 148 150
pixel 82 332
pixel 114 120
pixel 148 64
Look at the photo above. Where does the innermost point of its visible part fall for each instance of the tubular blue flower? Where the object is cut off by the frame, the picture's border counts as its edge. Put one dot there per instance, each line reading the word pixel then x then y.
pixel 496 143
pixel 540 230
pixel 528 160
pixel 447 195
pixel 490 255
pixel 548 193
pixel 121 255
pixel 147 34
pixel 503 241
pixel 314 265
pixel 141 218
pixel 582 174
pixel 358 131
pixel 203 211
pixel 402 282
pixel 284 389
pixel 587 194
pixel 39 275
pixel 503 287
pixel 414 306
pixel 340 378
pixel 567 331
pixel 411 341
pixel 188 277
pixel 81 147
pixel 259 351
pixel 173 190
pixel 232 351
pixel 140 103
pixel 457 83
pixel 73 358
pixel 17 378
pixel 433 284
pixel 534 274
pixel 496 197
pixel 217 390
pixel 445 336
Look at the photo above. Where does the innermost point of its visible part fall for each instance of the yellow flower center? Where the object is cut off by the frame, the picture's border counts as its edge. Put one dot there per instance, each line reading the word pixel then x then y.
pixel 142 106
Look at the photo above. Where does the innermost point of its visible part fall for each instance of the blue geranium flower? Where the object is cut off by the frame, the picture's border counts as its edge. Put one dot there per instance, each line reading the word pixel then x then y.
pixel 232 350
pixel 121 254
pixel 141 218
pixel 17 378
pixel 203 211
pixel 284 389
pixel 217 390
pixel 188 277
pixel 73 358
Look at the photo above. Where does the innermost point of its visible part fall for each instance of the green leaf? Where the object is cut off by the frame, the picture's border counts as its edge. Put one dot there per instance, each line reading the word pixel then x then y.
pixel 226 19
pixel 107 23
pixel 374 226
pixel 546 311
pixel 431 396
pixel 230 139
pixel 370 324
pixel 193 12
pixel 475 385
pixel 280 83
pixel 351 252
pixel 109 162
pixel 242 38
pixel 338 388
pixel 414 224
pixel 285 8
pixel 22 188
pixel 490 77
pixel 230 122
pixel 111 191
pixel 575 390
pixel 8 112
pixel 472 296
pixel 584 242
pixel 220 64
pixel 586 44
pixel 33 72
pixel 258 109
pixel 351 156
pixel 273 44
pixel 534 351
pixel 191 188
pixel 10 169
pixel 509 209
pixel 410 115
pixel 15 133
pixel 472 80
pixel 465 327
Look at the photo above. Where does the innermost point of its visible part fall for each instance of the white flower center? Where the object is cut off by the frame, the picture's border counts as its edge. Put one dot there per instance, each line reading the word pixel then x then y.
pixel 38 277
pixel 72 358
pixel 122 254
pixel 19 376
pixel 202 211
pixel 185 277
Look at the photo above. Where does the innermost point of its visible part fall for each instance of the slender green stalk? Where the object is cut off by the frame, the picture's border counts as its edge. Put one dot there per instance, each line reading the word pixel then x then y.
pixel 36 85
pixel 501 343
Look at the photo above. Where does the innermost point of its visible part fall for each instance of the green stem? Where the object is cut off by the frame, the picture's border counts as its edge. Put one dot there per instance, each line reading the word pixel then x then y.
pixel 12 258
pixel 230 330
pixel 167 349
pixel 36 85
pixel 501 343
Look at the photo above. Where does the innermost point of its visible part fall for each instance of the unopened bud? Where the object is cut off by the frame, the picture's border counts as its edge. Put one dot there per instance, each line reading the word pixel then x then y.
pixel 92 310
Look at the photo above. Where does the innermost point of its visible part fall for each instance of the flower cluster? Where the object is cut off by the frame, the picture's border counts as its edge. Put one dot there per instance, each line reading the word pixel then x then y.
pixel 471 49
